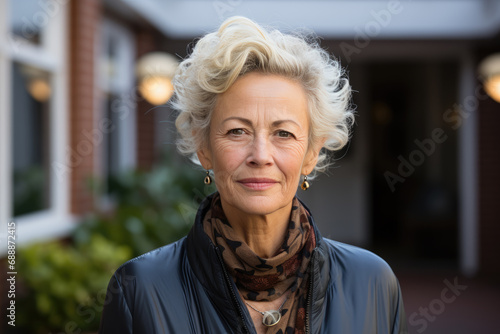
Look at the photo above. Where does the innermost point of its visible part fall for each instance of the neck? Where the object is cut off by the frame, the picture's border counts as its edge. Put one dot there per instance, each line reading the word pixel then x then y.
pixel 264 234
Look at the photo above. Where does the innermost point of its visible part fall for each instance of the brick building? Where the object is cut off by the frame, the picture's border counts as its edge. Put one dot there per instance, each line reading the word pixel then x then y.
pixel 410 79
pixel 92 123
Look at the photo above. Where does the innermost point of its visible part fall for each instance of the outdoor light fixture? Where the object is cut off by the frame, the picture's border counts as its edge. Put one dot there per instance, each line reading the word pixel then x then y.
pixel 489 69
pixel 37 83
pixel 39 88
pixel 154 73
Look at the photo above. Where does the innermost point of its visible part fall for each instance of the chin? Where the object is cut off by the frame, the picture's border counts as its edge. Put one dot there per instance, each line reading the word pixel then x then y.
pixel 260 205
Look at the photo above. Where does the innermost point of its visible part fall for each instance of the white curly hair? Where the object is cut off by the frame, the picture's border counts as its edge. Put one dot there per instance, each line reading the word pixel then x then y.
pixel 241 46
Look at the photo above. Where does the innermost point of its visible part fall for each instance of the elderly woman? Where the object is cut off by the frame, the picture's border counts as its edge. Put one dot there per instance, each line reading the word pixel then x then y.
pixel 257 109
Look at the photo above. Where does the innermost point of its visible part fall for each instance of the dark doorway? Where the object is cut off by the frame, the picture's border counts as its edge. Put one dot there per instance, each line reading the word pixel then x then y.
pixel 413 161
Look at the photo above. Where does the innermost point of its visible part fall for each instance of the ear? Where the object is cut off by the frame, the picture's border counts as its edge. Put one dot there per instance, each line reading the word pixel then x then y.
pixel 312 156
pixel 205 156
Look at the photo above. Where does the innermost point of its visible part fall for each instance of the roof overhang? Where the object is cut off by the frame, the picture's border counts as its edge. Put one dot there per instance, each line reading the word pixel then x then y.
pixel 335 19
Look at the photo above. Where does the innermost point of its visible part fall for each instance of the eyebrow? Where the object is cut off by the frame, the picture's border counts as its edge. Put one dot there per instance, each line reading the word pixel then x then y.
pixel 249 122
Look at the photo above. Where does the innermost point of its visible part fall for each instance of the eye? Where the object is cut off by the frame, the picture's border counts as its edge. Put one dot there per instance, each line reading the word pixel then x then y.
pixel 284 134
pixel 236 132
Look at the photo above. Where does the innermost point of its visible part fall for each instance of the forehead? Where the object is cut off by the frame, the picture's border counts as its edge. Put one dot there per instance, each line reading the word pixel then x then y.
pixel 257 94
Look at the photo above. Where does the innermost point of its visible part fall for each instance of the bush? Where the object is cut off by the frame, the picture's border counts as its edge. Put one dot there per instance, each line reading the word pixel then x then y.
pixel 151 209
pixel 65 284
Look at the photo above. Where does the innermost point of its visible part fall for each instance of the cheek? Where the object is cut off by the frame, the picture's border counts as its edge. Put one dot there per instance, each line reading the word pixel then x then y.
pixel 291 157
pixel 228 158
pixel 226 164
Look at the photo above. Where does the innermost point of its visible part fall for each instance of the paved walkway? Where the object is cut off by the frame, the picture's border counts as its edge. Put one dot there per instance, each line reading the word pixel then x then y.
pixel 442 301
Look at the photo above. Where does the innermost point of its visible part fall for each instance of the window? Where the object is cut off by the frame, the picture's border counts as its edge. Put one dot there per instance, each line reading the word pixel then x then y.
pixel 33 118
pixel 28 19
pixel 30 133
pixel 117 84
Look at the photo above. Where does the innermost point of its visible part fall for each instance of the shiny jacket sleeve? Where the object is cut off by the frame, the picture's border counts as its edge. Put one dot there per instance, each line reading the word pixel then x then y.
pixel 117 316
pixel 399 325
pixel 364 295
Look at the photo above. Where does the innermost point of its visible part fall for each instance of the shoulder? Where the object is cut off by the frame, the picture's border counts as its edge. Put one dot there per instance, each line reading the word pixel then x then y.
pixel 137 280
pixel 351 262
pixel 362 293
pixel 152 264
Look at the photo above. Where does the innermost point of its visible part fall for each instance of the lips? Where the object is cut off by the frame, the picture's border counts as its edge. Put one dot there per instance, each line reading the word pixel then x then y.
pixel 257 183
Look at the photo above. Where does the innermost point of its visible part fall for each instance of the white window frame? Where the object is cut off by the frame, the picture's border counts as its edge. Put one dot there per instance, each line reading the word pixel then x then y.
pixel 51 56
pixel 124 87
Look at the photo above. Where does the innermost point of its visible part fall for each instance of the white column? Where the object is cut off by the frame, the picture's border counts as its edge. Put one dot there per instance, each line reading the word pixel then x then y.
pixel 468 148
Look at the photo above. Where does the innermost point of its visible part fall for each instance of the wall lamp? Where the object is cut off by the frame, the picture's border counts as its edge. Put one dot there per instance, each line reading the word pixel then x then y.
pixel 154 72
pixel 489 69
pixel 37 83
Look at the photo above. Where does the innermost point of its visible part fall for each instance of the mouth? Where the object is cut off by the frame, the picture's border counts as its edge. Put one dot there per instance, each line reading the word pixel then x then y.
pixel 257 183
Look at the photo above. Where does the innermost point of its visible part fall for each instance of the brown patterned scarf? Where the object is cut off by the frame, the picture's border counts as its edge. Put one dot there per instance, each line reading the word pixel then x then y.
pixel 261 279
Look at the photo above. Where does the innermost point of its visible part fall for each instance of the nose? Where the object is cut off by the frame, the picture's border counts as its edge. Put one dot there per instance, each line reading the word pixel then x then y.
pixel 260 152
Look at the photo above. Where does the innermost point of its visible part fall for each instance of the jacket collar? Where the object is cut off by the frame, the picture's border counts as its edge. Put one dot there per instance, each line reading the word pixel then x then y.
pixel 320 277
pixel 206 262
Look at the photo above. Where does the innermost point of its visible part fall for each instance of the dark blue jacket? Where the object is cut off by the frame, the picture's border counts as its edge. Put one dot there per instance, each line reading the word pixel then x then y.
pixel 185 288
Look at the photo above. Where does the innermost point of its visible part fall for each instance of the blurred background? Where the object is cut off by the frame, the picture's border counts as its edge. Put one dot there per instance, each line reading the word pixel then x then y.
pixel 90 175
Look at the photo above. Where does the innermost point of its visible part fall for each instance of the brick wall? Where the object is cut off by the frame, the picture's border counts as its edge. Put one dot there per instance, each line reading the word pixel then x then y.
pixel 84 20
pixel 146 148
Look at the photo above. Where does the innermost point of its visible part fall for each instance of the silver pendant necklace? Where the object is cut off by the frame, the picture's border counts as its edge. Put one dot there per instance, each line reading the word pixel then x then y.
pixel 271 317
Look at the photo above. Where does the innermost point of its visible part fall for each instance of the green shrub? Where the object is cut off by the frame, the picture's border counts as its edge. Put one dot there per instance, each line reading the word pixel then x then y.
pixel 65 283
pixel 151 209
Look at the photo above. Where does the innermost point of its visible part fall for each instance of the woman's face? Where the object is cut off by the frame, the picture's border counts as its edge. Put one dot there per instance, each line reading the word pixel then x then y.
pixel 258 143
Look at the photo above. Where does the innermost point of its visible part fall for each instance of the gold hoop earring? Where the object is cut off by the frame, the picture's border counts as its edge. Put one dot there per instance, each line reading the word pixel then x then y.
pixel 305 184
pixel 208 178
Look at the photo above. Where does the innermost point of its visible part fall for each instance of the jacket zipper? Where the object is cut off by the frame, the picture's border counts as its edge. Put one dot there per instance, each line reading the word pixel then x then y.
pixel 233 294
pixel 310 293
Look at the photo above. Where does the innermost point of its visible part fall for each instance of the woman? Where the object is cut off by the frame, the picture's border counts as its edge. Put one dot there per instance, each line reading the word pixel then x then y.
pixel 258 109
